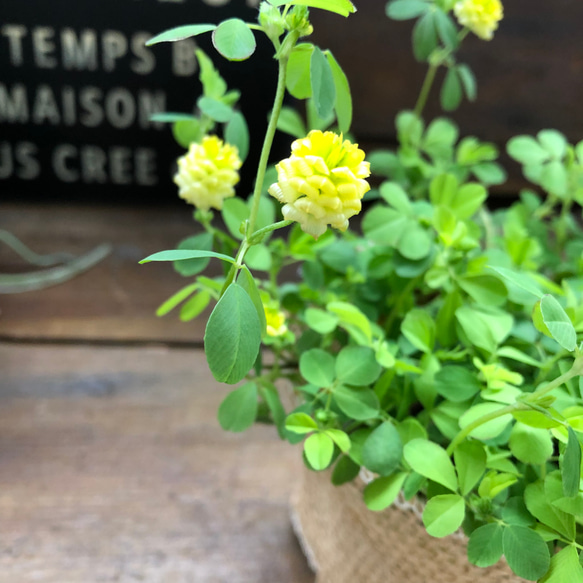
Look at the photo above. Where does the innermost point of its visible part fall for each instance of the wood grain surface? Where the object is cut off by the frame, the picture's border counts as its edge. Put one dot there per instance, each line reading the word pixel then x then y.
pixel 113 468
pixel 117 299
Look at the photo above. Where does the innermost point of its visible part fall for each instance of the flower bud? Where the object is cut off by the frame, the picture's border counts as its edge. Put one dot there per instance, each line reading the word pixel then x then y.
pixel 322 182
pixel 207 173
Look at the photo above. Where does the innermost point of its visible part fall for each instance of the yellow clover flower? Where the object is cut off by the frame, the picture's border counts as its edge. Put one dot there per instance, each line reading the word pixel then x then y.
pixel 207 173
pixel 322 182
pixel 480 16
pixel 275 319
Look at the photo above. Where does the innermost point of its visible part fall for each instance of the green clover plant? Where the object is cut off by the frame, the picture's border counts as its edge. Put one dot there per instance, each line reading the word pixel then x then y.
pixel 437 343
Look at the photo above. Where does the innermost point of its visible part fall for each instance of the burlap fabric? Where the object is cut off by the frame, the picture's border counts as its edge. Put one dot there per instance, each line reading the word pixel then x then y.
pixel 347 543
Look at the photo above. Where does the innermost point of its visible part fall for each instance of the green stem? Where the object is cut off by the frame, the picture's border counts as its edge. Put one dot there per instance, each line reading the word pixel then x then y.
pixel 257 237
pixel 267 143
pixel 484 419
pixel 528 403
pixel 425 89
pixel 574 371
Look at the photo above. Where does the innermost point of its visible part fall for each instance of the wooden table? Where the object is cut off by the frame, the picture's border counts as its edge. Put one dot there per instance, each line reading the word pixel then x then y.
pixel 112 464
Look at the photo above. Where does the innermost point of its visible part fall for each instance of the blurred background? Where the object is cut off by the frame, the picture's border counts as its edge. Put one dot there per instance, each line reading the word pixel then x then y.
pixel 112 464
pixel 78 87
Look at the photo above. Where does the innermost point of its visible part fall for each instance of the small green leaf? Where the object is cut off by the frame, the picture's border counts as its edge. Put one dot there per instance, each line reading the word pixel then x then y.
pixel 319 449
pixel 531 445
pixel 526 150
pixel 320 321
pixel 382 492
pixel 489 429
pixel 237 134
pixel 176 299
pixel 451 90
pixel 406 9
pixel 565 567
pixel 340 438
pixel 444 514
pixel 383 450
pixel 181 255
pixel 430 460
pixel 180 33
pixel 317 367
pixel 300 423
pixel 342 7
pixel 291 122
pixel 553 142
pixel 238 410
pixel 571 465
pixel 468 80
pixel 470 463
pixel 558 323
pixel 201 242
pixel 357 365
pixel 247 282
pixel 485 545
pixel 213 85
pixel 526 552
pixel 456 383
pixel 446 29
pixel 419 329
pixel 540 507
pixel 232 336
pixel 215 109
pixel 234 40
pixel 186 132
pixel 424 36
pixel 234 212
pixel 270 395
pixel 298 71
pixel 322 82
pixel 194 306
pixel 345 470
pixel 343 101
pixel 358 404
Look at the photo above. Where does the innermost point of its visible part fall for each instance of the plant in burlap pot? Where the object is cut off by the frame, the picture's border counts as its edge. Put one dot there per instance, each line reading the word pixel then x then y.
pixel 433 349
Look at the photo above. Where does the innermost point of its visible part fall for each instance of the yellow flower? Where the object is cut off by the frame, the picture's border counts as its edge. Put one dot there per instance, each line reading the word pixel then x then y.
pixel 480 16
pixel 207 173
pixel 275 319
pixel 322 182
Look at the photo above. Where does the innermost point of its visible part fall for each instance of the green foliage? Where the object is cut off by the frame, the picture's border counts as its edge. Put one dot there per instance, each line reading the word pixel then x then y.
pixel 440 347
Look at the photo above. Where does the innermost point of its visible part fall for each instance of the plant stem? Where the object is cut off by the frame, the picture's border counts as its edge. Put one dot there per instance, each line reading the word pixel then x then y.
pixel 259 234
pixel 425 89
pixel 267 143
pixel 574 371
pixel 526 404
pixel 484 419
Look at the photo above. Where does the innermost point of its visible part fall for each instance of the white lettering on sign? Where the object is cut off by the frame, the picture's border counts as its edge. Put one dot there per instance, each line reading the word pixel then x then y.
pixel 90 164
pixel 14 34
pixel 88 106
pixel 79 51
pixel 89 49
pixel 121 108
pixel 19 160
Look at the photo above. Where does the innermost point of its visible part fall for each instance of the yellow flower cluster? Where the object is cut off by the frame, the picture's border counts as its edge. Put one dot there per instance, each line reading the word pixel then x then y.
pixel 480 16
pixel 275 320
pixel 322 183
pixel 207 173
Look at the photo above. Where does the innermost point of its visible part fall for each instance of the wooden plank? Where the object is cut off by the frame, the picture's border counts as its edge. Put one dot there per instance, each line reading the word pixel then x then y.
pixel 115 300
pixel 115 469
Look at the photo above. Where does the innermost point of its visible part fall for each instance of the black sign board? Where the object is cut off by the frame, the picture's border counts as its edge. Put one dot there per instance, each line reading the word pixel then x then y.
pixel 78 86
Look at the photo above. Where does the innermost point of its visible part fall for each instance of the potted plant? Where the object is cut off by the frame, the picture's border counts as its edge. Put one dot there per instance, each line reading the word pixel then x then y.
pixel 433 351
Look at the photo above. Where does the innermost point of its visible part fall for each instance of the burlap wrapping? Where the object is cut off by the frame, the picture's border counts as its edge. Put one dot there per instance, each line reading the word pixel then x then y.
pixel 347 543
